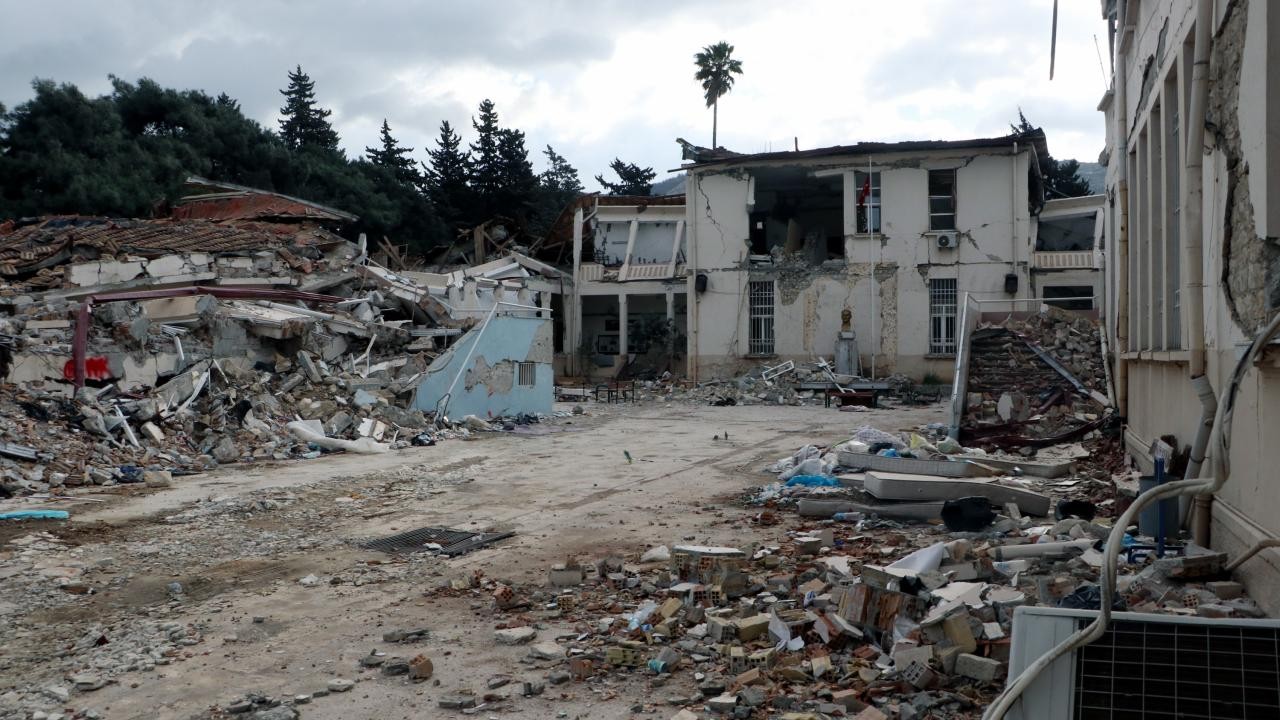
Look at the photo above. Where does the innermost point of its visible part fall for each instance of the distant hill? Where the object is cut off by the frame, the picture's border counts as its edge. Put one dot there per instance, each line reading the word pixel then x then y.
pixel 1096 175
pixel 673 185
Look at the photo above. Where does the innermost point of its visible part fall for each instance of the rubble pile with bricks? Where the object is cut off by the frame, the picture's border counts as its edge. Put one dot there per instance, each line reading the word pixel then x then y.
pixel 168 385
pixel 841 617
pixel 1035 380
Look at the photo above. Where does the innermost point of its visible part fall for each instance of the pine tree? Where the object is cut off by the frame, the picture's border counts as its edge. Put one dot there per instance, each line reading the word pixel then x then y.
pixel 394 158
pixel 560 176
pixel 485 171
pixel 303 125
pixel 1061 177
pixel 446 179
pixel 516 181
pixel 632 179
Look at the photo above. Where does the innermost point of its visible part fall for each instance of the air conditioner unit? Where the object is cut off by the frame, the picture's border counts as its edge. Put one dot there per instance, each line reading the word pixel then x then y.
pixel 1147 666
pixel 947 241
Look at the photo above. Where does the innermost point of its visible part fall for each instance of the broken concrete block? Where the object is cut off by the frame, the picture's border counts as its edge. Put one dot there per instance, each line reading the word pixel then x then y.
pixel 157 478
pixel 723 703
pixel 563 575
pixel 957 629
pixel 978 668
pixel 547 651
pixel 515 636
pixel 870 713
pixel 1225 589
pixel 150 430
pixel 309 366
pixel 748 629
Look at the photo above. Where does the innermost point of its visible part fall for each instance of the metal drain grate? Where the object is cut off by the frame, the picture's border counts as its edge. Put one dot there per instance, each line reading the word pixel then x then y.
pixel 452 542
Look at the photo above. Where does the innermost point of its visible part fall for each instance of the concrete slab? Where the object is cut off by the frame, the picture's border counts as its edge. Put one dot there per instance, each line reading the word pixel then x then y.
pixel 901 486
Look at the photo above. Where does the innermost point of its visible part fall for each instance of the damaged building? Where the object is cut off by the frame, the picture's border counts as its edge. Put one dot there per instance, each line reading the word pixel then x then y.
pixel 627 308
pixel 873 244
pixel 1192 159
pixel 246 325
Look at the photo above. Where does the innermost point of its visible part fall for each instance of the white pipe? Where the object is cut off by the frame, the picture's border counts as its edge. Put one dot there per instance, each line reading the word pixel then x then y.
pixel 1039 549
pixel 1258 547
pixel 1193 290
pixel 1120 150
pixel 1222 434
pixel 1013 214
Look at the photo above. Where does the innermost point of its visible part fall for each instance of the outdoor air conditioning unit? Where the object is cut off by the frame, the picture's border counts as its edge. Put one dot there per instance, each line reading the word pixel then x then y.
pixel 947 241
pixel 1147 666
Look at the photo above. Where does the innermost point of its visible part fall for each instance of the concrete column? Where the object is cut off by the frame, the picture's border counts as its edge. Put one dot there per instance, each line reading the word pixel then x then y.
pixel 573 300
pixel 622 326
pixel 671 321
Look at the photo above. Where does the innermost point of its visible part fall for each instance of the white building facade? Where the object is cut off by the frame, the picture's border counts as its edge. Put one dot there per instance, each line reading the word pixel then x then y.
pixel 1193 154
pixel 781 244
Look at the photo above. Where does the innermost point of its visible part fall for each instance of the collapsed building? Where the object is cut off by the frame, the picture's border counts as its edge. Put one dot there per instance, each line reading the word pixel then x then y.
pixel 246 326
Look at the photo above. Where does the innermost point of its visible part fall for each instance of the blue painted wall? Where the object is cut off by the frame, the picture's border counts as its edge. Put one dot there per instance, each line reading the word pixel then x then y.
pixel 488 386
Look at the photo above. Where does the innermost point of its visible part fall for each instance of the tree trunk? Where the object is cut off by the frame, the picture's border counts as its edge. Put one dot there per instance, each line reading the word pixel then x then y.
pixel 715 111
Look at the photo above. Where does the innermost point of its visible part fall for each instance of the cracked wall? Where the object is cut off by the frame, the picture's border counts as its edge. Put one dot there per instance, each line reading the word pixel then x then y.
pixel 1251 263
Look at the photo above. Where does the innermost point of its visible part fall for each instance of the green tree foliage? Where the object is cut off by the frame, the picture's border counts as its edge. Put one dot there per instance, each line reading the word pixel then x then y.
pixel 716 68
pixel 126 153
pixel 1061 177
pixel 516 181
pixel 557 186
pixel 560 176
pixel 447 177
pixel 485 170
pixel 632 179
pixel 303 125
pixel 393 157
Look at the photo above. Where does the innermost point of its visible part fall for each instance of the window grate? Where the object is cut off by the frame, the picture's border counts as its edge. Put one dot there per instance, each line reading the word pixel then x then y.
pixel 942 316
pixel 1163 671
pixel 526 374
pixel 760 317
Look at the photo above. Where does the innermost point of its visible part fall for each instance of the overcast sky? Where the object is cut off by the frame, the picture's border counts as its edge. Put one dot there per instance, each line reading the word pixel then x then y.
pixel 599 78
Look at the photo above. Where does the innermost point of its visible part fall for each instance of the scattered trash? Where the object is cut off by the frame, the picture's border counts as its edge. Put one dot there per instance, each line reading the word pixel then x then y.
pixel 35 515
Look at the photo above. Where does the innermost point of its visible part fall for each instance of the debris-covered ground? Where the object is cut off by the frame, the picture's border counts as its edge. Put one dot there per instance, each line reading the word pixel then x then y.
pixel 660 567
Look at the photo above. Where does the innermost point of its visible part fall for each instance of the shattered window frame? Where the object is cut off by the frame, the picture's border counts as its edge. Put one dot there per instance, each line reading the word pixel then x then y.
pixel 942 199
pixel 760 317
pixel 872 204
pixel 943 307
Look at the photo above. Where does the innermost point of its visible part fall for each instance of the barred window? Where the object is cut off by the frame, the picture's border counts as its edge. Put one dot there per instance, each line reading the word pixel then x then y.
pixel 942 316
pixel 760 317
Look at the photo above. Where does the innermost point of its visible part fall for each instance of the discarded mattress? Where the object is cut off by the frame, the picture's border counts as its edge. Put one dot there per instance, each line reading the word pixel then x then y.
pixel 943 468
pixel 923 488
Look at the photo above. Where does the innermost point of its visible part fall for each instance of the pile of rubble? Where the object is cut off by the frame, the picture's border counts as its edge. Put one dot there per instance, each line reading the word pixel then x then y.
pixel 207 343
pixel 835 620
pixel 1035 381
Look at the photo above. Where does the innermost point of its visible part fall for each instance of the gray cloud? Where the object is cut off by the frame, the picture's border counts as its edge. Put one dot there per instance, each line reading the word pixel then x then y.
pixel 419 63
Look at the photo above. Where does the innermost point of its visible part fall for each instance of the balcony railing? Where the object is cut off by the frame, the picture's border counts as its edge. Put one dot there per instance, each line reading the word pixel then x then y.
pixel 595 272
pixel 1063 260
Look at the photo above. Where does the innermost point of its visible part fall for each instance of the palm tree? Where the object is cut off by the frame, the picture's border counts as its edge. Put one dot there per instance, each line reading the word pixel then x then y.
pixel 716 68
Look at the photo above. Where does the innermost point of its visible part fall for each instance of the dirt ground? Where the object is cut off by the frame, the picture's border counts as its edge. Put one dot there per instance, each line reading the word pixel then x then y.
pixel 239 540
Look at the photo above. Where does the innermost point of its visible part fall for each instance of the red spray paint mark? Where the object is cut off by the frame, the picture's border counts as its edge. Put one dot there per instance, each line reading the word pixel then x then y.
pixel 95 368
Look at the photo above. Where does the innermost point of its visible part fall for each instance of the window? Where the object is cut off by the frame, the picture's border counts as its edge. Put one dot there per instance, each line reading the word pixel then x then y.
pixel 942 199
pixel 1069 297
pixel 526 372
pixel 867 196
pixel 760 317
pixel 942 317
